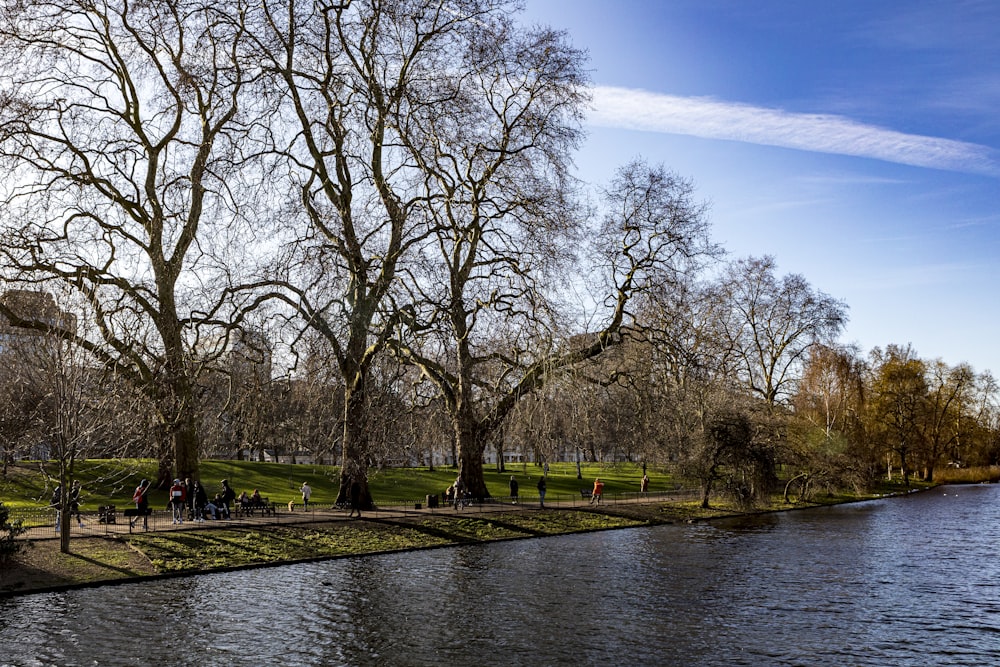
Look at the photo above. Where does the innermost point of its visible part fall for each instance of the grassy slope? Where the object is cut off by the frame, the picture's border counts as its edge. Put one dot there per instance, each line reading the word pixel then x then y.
pixel 41 566
pixel 101 560
pixel 112 481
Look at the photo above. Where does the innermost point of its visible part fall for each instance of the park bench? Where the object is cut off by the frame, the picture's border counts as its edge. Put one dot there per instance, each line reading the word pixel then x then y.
pixel 106 514
pixel 585 493
pixel 264 507
pixel 134 512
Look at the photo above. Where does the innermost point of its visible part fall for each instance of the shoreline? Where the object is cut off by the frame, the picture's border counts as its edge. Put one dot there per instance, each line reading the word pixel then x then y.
pixel 123 559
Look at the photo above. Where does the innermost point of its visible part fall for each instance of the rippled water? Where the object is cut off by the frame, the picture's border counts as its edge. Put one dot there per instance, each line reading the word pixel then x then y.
pixel 906 581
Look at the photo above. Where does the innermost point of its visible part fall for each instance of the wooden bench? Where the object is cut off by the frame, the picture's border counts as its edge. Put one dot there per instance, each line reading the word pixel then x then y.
pixel 264 506
pixel 585 493
pixel 132 513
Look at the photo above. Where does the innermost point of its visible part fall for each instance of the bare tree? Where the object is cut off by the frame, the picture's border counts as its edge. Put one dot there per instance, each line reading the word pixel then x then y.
pixel 122 126
pixel 364 84
pixel 772 323
pixel 979 443
pixel 82 411
pixel 20 403
pixel 491 334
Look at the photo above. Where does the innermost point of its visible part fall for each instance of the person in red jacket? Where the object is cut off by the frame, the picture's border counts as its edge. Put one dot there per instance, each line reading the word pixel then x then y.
pixel 598 491
pixel 178 496
pixel 141 500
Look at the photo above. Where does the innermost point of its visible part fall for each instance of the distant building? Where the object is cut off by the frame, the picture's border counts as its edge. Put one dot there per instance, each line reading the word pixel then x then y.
pixel 35 307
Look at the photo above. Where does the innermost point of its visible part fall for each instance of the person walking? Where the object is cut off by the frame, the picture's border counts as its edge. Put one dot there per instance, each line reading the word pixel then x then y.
pixel 306 494
pixel 644 484
pixel 56 502
pixel 74 502
pixel 355 498
pixel 595 495
pixel 541 491
pixel 141 500
pixel 189 497
pixel 513 490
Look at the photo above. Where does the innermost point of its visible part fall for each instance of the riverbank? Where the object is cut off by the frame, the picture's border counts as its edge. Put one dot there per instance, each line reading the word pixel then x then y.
pixel 199 549
pixel 40 567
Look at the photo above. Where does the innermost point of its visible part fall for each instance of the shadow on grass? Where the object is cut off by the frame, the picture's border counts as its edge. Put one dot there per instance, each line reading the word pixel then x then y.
pixel 17 577
pixel 463 530
pixel 102 565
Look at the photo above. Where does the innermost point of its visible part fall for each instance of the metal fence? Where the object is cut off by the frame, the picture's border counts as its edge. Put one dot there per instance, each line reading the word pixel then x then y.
pixel 41 523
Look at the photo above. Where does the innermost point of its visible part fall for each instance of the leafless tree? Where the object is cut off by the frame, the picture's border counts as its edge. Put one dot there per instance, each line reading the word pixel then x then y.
pixel 83 410
pixel 124 129
pixel 367 85
pixel 980 444
pixel 772 323
pixel 492 332
pixel 20 398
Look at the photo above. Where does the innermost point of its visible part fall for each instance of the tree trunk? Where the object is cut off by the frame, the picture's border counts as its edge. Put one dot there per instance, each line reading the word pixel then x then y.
pixel 186 445
pixel 789 486
pixel 63 508
pixel 165 455
pixel 904 467
pixel 178 397
pixel 354 451
pixel 472 440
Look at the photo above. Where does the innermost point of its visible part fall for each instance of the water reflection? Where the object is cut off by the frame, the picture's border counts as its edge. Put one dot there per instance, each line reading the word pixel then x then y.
pixel 909 581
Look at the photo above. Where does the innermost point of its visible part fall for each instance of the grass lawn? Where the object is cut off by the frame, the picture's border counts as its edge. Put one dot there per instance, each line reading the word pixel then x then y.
pixel 111 481
pixel 41 566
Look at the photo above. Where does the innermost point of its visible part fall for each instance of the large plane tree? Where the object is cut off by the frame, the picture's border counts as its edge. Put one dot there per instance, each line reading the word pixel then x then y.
pixel 490 329
pixel 379 99
pixel 122 134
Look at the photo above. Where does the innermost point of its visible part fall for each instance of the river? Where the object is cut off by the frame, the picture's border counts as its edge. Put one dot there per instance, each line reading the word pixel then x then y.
pixel 902 581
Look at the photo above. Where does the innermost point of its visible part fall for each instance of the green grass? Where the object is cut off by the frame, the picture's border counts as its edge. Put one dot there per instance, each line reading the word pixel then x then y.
pixel 208 549
pixel 110 481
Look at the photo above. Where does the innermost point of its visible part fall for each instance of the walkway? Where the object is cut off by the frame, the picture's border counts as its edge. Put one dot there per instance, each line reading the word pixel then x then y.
pixel 41 523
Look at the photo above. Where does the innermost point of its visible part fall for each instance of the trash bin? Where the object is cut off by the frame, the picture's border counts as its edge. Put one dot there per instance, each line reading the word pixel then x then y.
pixel 106 514
pixel 432 500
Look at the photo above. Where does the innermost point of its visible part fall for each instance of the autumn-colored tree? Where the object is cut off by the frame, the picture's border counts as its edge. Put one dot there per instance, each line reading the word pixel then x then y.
pixel 827 443
pixel 949 401
pixel 898 403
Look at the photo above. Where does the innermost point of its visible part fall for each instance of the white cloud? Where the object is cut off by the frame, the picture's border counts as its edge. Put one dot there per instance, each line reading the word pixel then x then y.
pixel 822 133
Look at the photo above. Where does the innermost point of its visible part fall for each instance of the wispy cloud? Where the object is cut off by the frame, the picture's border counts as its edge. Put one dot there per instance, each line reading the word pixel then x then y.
pixel 907 277
pixel 822 133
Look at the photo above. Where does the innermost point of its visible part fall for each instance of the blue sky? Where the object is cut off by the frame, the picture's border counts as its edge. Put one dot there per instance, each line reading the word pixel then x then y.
pixel 857 142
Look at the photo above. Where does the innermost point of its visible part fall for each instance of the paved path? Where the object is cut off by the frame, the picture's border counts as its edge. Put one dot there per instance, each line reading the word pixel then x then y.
pixel 160 520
